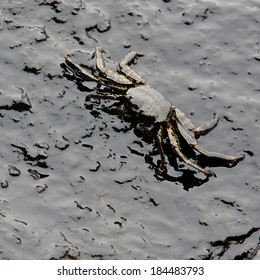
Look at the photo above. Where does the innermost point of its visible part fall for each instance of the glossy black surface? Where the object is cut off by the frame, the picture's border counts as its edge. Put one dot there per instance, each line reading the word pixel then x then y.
pixel 76 182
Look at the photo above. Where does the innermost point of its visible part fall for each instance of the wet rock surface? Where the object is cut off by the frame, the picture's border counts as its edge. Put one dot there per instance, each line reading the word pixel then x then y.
pixel 78 181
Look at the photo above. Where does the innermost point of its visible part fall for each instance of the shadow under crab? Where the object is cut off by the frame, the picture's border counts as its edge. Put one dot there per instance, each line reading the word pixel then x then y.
pixel 148 105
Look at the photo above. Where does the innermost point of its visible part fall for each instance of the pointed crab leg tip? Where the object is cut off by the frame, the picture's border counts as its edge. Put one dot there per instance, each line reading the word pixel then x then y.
pixel 100 49
pixel 239 158
pixel 210 173
pixel 69 61
pixel 242 156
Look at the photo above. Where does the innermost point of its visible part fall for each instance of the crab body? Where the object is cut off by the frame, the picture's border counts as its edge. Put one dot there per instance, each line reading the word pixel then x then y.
pixel 149 102
pixel 170 121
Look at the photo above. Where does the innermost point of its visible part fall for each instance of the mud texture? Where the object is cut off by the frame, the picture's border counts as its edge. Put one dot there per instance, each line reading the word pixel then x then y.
pixel 77 181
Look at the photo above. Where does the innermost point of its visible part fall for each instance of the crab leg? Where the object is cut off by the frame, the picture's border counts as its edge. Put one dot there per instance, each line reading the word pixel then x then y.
pixel 193 143
pixel 183 119
pixel 85 73
pixel 200 130
pixel 159 140
pixel 129 58
pixel 108 73
pixel 206 127
pixel 176 145
pixel 103 96
pixel 88 75
pixel 100 59
pixel 127 70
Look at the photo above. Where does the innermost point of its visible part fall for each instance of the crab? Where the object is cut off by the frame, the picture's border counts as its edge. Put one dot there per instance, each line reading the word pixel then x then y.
pixel 170 121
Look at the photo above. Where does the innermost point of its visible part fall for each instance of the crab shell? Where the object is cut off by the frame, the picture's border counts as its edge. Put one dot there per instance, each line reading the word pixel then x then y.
pixel 149 102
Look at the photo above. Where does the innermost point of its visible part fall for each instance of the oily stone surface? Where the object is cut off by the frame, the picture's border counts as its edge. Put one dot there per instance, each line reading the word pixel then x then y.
pixel 75 182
